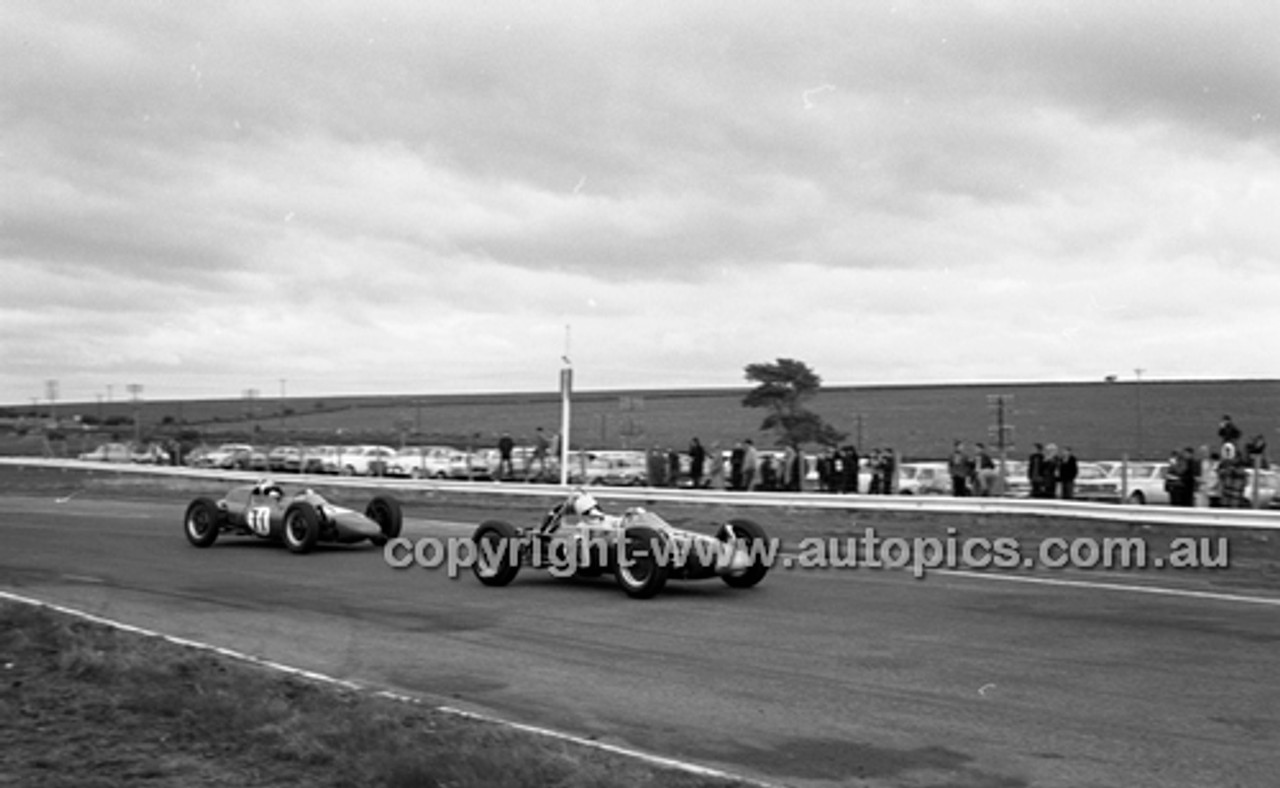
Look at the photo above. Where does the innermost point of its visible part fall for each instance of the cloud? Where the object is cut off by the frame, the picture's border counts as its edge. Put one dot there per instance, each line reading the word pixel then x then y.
pixel 391 198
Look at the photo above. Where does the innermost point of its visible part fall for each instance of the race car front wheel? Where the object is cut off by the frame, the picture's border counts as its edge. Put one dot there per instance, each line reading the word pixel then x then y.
pixel 497 553
pixel 385 511
pixel 301 527
pixel 642 568
pixel 752 538
pixel 202 523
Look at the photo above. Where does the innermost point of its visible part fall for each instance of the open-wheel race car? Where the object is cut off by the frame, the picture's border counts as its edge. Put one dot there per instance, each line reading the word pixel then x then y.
pixel 638 547
pixel 301 519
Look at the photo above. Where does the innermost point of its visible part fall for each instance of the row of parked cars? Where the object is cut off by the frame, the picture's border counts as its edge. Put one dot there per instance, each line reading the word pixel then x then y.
pixel 145 453
pixel 1137 483
pixel 623 468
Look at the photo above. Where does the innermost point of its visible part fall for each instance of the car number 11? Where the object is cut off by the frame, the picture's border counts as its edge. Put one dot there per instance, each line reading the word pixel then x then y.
pixel 259 518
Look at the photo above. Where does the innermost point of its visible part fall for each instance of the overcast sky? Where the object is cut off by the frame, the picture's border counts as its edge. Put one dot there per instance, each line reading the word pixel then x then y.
pixel 433 197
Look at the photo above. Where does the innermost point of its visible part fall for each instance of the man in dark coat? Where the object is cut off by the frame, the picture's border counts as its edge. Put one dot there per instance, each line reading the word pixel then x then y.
pixel 697 460
pixel 1068 470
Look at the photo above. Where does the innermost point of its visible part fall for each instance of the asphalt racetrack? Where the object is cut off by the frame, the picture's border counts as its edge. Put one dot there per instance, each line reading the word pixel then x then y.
pixel 815 678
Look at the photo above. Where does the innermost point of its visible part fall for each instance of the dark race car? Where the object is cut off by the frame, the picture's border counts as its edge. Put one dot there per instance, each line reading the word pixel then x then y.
pixel 638 547
pixel 301 519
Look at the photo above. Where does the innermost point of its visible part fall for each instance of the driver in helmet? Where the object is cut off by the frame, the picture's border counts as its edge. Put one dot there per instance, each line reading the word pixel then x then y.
pixel 271 488
pixel 585 505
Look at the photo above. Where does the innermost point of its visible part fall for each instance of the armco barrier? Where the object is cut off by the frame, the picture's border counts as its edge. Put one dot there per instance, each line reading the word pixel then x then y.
pixel 1119 513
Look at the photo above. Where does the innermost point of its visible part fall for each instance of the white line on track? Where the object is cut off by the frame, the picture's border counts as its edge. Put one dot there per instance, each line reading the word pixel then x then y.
pixel 656 760
pixel 1135 589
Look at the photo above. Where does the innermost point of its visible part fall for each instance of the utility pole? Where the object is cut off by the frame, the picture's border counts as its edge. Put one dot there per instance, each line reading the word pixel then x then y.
pixel 283 434
pixel 1001 430
pixel 566 394
pixel 1138 408
pixel 51 389
pixel 135 389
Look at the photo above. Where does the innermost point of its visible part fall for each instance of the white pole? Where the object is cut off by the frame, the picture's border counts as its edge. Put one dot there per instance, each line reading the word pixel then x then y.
pixel 566 393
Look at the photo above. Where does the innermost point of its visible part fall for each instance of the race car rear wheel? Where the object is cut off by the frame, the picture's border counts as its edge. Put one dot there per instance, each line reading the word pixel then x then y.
pixel 497 560
pixel 385 511
pixel 301 527
pixel 202 522
pixel 753 538
pixel 642 568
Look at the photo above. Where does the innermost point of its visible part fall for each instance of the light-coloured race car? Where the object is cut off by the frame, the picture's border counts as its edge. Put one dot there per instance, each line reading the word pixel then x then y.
pixel 301 519
pixel 638 547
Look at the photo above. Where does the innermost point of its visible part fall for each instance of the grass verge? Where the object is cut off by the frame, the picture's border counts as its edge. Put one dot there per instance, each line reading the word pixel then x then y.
pixel 83 704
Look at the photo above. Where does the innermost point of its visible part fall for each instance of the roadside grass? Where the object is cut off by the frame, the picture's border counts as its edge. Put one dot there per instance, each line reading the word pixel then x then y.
pixel 84 704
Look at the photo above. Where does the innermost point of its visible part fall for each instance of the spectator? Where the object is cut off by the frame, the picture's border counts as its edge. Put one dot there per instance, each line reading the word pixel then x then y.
pixel 986 472
pixel 1228 432
pixel 656 466
pixel 736 459
pixel 1035 471
pixel 1049 471
pixel 877 472
pixel 750 465
pixel 1068 470
pixel 539 456
pixel 715 467
pixel 848 481
pixel 768 473
pixel 1190 476
pixel 1232 479
pixel 697 461
pixel 505 447
pixel 1210 485
pixel 889 471
pixel 1173 476
pixel 1255 452
pixel 960 466
pixel 673 468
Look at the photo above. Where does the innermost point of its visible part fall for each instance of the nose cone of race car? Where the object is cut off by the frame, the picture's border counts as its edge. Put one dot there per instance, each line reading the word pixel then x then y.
pixel 354 525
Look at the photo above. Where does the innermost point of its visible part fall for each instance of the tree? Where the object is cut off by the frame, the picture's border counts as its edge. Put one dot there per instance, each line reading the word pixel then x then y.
pixel 783 388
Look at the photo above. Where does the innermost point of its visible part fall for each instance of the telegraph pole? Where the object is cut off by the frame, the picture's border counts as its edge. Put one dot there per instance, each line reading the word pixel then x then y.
pixel 1001 430
pixel 135 389
pixel 566 393
pixel 1138 407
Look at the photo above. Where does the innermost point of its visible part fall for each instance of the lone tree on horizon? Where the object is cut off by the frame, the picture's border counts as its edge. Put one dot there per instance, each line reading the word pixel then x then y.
pixel 783 388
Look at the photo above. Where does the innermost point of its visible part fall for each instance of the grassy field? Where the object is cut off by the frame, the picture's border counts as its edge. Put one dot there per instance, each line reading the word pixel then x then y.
pixel 85 705
pixel 1100 420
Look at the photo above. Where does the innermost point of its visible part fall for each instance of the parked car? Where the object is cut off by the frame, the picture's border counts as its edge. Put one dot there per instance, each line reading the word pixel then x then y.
pixel 229 455
pixel 477 464
pixel 359 460
pixel 109 452
pixel 1268 488
pixel 618 468
pixel 150 454
pixel 924 478
pixel 421 462
pixel 1142 482
pixel 320 459
pixel 285 458
pixel 1095 485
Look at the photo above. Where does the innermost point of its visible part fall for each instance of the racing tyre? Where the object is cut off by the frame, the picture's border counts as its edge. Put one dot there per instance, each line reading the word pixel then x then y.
pixel 385 511
pixel 301 527
pixel 494 564
pixel 203 522
pixel 642 571
pixel 754 538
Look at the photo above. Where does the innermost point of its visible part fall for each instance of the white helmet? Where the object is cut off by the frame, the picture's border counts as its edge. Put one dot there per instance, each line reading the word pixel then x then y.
pixel 584 504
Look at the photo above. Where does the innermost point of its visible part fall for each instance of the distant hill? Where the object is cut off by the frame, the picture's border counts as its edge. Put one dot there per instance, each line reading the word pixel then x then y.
pixel 1098 419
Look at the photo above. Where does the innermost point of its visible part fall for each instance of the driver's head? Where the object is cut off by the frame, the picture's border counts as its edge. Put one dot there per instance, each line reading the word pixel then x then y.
pixel 585 504
pixel 269 487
